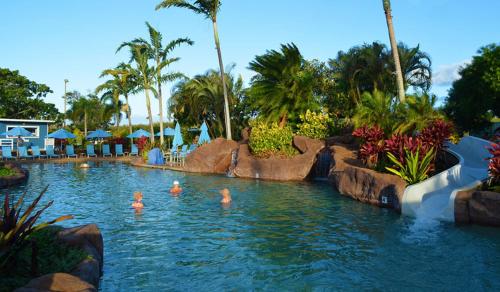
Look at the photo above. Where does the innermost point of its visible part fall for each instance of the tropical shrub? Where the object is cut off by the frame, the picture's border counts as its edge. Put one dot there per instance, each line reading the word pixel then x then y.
pixel 436 134
pixel 372 139
pixel 269 139
pixel 314 125
pixel 415 168
pixel 494 165
pixel 17 227
pixel 5 171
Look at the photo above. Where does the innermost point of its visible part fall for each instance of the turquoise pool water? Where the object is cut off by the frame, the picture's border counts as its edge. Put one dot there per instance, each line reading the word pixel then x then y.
pixel 275 236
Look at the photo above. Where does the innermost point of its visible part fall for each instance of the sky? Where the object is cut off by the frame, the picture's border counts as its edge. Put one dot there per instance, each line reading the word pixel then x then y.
pixel 49 41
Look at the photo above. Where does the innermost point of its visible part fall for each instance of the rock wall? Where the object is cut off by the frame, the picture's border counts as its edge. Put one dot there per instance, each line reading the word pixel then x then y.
pixel 214 157
pixel 284 169
pixel 477 207
pixel 85 276
pixel 20 176
pixel 352 179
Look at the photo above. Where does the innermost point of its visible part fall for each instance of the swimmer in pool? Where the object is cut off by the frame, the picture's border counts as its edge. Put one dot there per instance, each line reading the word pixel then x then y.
pixel 137 204
pixel 226 196
pixel 176 189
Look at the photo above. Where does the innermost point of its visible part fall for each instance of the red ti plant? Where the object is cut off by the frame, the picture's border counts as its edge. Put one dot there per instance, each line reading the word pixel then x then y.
pixel 494 163
pixel 141 142
pixel 373 143
pixel 436 134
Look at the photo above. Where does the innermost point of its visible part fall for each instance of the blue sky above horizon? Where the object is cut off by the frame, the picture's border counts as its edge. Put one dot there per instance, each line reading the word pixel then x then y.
pixel 48 41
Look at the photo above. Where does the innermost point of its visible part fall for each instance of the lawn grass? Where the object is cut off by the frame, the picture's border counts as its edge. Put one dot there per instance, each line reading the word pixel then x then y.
pixel 53 256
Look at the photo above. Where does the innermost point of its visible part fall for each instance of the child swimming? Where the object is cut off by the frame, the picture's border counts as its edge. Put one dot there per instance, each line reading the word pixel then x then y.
pixel 137 204
pixel 226 196
pixel 176 189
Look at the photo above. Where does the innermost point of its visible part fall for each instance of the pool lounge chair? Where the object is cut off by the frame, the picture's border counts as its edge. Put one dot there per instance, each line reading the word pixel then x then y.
pixel 105 151
pixel 70 151
pixel 134 151
pixel 23 152
pixel 119 150
pixel 7 153
pixel 50 152
pixel 35 150
pixel 90 150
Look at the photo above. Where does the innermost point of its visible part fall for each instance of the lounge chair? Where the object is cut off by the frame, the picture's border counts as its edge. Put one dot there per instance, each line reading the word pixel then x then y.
pixel 36 152
pixel 91 150
pixel 70 151
pixel 7 153
pixel 105 151
pixel 134 151
pixel 49 150
pixel 23 152
pixel 119 150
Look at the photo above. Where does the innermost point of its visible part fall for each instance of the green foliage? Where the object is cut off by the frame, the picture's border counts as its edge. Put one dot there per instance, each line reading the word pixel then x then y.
pixel 16 227
pixel 376 109
pixel 53 256
pixel 414 169
pixel 268 139
pixel 21 98
pixel 88 111
pixel 5 171
pixel 475 98
pixel 314 125
pixel 282 89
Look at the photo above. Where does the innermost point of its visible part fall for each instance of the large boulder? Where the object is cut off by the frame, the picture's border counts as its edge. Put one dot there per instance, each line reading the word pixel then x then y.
pixel 284 169
pixel 477 207
pixel 214 157
pixel 352 179
pixel 57 282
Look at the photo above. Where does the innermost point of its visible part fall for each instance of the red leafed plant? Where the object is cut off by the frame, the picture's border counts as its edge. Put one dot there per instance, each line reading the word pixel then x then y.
pixel 141 142
pixel 399 144
pixel 436 134
pixel 373 143
pixel 494 163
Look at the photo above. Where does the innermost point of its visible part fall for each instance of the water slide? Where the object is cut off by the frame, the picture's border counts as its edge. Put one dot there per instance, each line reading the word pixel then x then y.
pixel 434 198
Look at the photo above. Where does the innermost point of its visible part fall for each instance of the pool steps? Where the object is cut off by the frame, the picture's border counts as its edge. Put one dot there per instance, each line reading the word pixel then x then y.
pixel 434 198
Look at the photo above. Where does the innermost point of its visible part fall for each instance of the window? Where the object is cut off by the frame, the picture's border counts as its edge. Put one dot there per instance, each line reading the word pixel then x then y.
pixel 35 130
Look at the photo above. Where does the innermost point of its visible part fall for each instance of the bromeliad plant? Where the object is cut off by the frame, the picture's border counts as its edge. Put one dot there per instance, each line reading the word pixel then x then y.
pixel 16 226
pixel 415 168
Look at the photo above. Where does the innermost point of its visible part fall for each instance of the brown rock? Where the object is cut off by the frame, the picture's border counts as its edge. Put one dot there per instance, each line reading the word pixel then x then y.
pixel 284 169
pixel 484 208
pixel 245 135
pixel 343 140
pixel 352 179
pixel 462 206
pixel 214 157
pixel 19 177
pixel 57 282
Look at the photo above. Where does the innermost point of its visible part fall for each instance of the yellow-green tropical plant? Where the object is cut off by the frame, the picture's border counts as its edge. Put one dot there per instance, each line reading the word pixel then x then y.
pixel 268 139
pixel 17 227
pixel 314 125
pixel 413 169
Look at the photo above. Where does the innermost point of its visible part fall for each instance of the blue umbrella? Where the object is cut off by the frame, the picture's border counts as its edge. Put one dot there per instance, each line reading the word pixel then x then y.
pixel 139 133
pixel 177 137
pixel 166 132
pixel 61 134
pixel 204 137
pixel 17 131
pixel 98 134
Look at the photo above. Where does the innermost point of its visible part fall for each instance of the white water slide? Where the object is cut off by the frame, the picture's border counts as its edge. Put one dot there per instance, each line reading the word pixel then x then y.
pixel 434 198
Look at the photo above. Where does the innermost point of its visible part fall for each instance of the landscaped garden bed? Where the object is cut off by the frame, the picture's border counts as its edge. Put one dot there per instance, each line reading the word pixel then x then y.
pixel 11 174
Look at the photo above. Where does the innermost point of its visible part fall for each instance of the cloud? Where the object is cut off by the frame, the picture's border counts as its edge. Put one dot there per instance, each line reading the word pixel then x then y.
pixel 446 74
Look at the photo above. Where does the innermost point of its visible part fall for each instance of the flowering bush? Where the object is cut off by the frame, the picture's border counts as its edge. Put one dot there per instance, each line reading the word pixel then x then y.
pixel 494 163
pixel 372 140
pixel 141 142
pixel 314 125
pixel 269 139
pixel 436 134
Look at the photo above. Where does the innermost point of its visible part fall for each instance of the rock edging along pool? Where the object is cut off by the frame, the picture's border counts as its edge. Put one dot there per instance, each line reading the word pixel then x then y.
pixel 273 236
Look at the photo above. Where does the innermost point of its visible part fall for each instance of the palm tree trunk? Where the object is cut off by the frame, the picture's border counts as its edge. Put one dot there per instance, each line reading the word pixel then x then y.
pixel 129 115
pixel 160 101
pixel 85 122
pixel 150 116
pixel 394 48
pixel 223 77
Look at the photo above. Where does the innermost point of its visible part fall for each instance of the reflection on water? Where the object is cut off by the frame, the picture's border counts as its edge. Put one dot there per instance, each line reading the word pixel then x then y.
pixel 273 236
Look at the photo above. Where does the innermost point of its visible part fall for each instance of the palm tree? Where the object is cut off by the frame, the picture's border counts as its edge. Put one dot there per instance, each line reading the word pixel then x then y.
pixel 282 88
pixel 416 67
pixel 89 111
pixel 209 9
pixel 417 112
pixel 144 74
pixel 375 109
pixel 124 76
pixel 111 97
pixel 159 54
pixel 394 48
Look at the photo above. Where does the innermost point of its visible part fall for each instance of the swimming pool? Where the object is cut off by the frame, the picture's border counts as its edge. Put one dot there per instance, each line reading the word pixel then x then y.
pixel 274 236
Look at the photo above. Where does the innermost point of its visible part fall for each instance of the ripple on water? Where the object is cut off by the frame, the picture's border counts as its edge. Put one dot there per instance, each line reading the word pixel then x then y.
pixel 274 236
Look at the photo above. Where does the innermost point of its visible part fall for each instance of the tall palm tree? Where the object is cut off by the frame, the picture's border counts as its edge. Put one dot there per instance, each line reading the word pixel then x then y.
pixel 144 74
pixel 416 67
pixel 111 97
pixel 208 8
pixel 394 48
pixel 282 88
pixel 124 75
pixel 159 54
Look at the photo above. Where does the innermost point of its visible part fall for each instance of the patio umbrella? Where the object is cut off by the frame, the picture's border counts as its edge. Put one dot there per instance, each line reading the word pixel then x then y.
pixel 166 132
pixel 98 134
pixel 61 134
pixel 204 137
pixel 177 137
pixel 139 133
pixel 18 131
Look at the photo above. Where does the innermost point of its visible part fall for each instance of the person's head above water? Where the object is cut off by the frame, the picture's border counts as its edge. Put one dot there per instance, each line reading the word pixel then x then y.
pixel 176 183
pixel 226 196
pixel 176 188
pixel 138 196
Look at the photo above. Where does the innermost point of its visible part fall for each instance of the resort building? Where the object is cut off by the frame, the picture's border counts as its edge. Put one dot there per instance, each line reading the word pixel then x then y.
pixel 38 128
